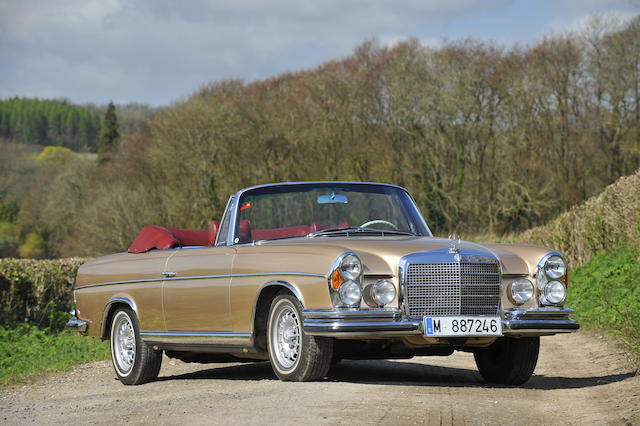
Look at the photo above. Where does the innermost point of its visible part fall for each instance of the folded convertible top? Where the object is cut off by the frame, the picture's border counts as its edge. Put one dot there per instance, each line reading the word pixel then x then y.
pixel 158 237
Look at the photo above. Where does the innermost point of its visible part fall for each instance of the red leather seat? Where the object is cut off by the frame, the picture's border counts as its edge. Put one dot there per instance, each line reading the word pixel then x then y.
pixel 214 227
pixel 191 237
pixel 317 227
pixel 244 232
pixel 275 233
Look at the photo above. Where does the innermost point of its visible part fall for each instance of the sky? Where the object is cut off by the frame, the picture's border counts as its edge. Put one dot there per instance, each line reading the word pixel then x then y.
pixel 160 51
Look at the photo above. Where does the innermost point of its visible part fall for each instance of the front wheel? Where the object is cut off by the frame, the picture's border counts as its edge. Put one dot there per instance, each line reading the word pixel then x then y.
pixel 294 355
pixel 508 361
pixel 135 362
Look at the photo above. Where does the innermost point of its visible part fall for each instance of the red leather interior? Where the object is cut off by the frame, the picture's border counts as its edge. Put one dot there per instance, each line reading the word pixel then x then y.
pixel 244 231
pixel 159 237
pixel 272 234
pixel 214 227
pixel 191 237
pixel 317 227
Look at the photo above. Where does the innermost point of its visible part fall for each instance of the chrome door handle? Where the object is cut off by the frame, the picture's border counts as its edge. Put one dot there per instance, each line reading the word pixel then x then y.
pixel 169 274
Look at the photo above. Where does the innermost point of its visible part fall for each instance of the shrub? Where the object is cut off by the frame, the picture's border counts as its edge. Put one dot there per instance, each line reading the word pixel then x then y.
pixel 37 291
pixel 9 238
pixel 33 246
pixel 601 223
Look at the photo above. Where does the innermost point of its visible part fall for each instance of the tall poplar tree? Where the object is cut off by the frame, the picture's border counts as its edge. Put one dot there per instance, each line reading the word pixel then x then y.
pixel 108 132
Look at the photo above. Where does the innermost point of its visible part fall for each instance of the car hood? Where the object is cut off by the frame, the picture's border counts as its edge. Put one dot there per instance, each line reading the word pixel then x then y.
pixel 381 255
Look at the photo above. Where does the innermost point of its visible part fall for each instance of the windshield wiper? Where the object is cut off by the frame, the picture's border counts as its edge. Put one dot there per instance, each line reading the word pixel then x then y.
pixel 355 230
pixel 388 231
pixel 333 230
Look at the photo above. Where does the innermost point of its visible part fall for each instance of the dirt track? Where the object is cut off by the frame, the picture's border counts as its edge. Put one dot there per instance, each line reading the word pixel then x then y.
pixel 578 381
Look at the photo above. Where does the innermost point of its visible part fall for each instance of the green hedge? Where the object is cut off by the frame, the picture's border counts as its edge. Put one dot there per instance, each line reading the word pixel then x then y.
pixel 37 291
pixel 599 224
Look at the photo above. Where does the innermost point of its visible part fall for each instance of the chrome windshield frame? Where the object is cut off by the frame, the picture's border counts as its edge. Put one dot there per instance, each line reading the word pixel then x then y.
pixel 234 204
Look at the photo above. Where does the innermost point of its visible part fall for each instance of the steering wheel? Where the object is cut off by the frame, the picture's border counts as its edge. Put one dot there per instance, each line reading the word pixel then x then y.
pixel 378 221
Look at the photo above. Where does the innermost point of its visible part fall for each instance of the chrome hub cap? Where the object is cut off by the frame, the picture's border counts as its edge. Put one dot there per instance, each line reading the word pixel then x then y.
pixel 286 336
pixel 124 343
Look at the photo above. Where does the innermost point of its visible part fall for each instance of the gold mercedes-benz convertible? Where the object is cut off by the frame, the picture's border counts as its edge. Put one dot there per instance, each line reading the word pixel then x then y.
pixel 305 274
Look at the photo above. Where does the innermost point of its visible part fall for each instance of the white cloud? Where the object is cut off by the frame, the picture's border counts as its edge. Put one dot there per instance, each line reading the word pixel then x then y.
pixel 159 50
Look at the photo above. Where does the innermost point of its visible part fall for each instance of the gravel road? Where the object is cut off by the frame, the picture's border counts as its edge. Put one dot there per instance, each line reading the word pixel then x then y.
pixel 579 380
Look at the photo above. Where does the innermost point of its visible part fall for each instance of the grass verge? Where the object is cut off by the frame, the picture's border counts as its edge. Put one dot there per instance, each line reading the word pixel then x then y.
pixel 27 351
pixel 605 293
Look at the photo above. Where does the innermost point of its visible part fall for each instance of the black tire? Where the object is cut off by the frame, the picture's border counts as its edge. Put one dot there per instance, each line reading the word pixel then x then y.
pixel 508 361
pixel 312 358
pixel 146 362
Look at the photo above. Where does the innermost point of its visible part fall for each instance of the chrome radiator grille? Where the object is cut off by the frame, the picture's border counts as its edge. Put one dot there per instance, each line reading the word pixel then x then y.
pixel 435 289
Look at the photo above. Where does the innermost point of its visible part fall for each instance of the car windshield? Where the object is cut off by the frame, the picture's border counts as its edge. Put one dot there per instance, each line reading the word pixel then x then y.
pixel 326 209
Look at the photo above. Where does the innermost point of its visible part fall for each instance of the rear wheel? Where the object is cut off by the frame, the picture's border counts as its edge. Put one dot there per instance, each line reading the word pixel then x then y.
pixel 508 361
pixel 135 362
pixel 294 355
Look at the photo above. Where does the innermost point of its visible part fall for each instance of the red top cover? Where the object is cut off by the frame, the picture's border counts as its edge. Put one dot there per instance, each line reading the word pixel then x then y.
pixel 159 237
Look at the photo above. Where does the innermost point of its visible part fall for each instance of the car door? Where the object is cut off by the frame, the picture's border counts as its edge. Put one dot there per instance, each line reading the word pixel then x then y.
pixel 195 292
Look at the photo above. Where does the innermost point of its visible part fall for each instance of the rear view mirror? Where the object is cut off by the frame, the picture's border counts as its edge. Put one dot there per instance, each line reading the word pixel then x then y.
pixel 332 198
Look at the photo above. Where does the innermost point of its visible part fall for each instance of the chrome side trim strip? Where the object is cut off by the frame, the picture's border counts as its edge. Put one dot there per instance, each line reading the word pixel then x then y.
pixel 202 277
pixel 228 338
pixel 149 280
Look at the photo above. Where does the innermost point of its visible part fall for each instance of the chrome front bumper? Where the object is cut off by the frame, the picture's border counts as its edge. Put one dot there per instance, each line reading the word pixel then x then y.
pixel 76 324
pixel 362 323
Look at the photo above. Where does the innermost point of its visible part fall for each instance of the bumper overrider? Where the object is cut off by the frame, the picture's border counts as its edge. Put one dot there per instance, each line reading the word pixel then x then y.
pixel 76 324
pixel 361 323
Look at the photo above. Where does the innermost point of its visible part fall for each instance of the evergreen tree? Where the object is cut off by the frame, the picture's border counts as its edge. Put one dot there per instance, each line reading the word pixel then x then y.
pixel 109 132
pixel 49 122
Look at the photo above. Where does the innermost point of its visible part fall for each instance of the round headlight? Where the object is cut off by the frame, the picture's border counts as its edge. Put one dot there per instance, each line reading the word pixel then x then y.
pixel 383 292
pixel 521 291
pixel 555 292
pixel 555 267
pixel 350 293
pixel 350 267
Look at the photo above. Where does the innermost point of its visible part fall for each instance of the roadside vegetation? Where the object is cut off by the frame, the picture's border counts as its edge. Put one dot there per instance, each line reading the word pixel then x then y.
pixel 27 351
pixel 35 297
pixel 605 294
pixel 601 240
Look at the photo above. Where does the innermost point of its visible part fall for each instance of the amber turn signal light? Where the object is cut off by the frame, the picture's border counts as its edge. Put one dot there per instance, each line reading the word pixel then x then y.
pixel 565 280
pixel 336 279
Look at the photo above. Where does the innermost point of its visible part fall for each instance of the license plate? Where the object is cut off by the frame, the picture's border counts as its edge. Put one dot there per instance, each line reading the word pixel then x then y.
pixel 462 326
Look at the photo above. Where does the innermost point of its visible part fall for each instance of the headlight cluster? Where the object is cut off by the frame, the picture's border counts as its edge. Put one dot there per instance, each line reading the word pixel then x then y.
pixel 551 280
pixel 346 285
pixel 345 281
